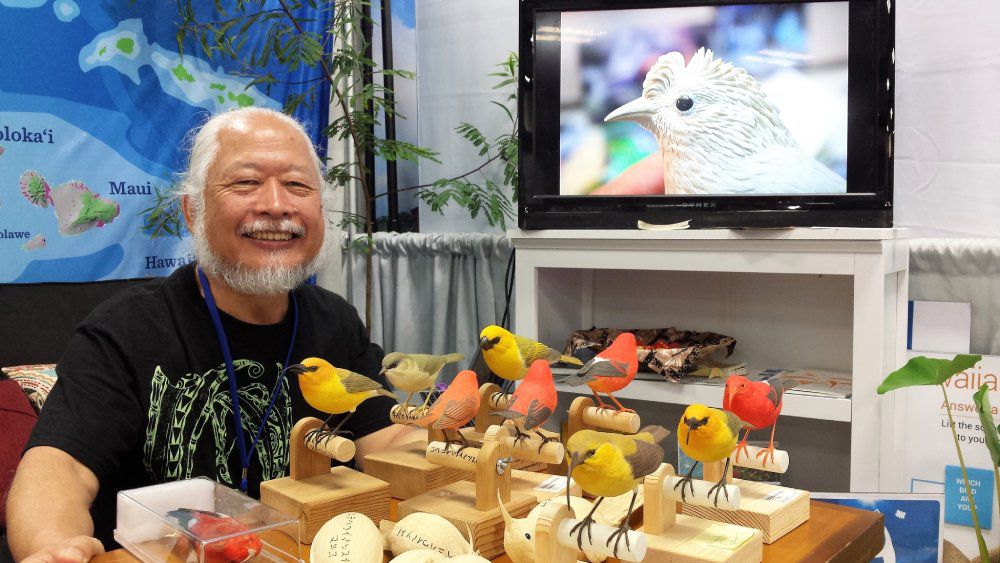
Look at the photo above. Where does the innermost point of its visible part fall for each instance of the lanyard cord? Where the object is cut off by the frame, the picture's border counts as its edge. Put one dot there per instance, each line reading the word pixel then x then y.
pixel 213 312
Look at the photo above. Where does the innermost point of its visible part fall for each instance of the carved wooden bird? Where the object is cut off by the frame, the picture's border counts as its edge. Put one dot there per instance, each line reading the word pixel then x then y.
pixel 454 407
pixel 758 404
pixel 533 402
pixel 610 370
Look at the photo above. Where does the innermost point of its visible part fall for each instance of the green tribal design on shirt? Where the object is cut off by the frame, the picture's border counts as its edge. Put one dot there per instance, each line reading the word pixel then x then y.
pixel 181 410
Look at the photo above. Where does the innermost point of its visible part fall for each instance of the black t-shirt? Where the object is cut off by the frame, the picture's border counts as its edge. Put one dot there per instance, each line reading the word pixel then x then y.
pixel 143 396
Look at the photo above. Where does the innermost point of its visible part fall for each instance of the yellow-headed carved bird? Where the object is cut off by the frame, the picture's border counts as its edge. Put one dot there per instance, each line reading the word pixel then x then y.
pixel 509 355
pixel 607 465
pixel 333 390
pixel 706 435
pixel 415 372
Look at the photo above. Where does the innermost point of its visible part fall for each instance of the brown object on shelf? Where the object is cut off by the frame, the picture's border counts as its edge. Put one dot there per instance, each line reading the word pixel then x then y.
pixel 408 472
pixel 315 492
pixel 670 352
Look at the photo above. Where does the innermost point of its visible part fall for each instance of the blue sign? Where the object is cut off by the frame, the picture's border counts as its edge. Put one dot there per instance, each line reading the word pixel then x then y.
pixel 957 509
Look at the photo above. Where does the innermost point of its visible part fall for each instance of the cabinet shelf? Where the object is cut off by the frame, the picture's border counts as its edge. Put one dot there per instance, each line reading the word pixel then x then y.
pixel 692 390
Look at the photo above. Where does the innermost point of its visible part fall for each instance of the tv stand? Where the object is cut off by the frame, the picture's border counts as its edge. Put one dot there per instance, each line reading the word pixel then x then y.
pixel 819 298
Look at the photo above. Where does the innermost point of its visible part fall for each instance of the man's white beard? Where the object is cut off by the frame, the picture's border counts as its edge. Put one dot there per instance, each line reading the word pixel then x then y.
pixel 273 278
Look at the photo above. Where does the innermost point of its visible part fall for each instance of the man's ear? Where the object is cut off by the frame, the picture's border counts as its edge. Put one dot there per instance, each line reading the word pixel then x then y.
pixel 188 208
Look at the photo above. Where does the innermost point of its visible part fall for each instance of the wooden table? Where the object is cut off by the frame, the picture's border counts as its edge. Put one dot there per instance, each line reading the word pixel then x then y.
pixel 832 533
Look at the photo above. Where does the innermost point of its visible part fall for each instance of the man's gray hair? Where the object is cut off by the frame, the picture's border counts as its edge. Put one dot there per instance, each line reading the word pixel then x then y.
pixel 205 149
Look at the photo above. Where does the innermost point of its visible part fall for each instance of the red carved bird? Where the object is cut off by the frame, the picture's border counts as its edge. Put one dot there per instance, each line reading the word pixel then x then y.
pixel 609 371
pixel 455 407
pixel 758 404
pixel 534 400
pixel 207 525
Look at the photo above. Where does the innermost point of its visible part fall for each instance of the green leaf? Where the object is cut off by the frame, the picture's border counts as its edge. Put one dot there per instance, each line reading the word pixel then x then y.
pixel 922 370
pixel 982 400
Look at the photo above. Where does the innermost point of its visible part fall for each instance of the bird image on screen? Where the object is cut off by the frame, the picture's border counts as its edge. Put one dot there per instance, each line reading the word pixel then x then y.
pixel 719 134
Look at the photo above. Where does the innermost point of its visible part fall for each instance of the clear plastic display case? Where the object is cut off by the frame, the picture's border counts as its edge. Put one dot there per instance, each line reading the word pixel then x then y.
pixel 199 520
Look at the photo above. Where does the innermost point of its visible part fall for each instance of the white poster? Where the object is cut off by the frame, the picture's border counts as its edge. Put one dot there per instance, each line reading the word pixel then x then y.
pixel 929 461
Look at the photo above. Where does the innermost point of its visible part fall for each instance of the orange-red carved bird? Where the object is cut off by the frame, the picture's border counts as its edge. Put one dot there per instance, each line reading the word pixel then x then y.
pixel 533 402
pixel 455 407
pixel 609 371
pixel 758 404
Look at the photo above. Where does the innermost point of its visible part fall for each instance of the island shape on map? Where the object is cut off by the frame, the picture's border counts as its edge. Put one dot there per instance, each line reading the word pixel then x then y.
pixel 189 79
pixel 77 208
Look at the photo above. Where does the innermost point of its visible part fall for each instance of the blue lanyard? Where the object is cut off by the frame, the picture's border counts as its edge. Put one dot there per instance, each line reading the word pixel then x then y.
pixel 213 311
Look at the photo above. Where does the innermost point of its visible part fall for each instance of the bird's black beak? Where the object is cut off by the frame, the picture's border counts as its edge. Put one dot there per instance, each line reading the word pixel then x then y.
pixel 298 369
pixel 485 343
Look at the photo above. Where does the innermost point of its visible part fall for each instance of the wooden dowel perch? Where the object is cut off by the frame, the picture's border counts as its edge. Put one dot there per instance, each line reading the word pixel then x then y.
pixel 595 541
pixel 583 414
pixel 700 496
pixel 751 461
pixel 337 447
pixel 447 455
pixel 407 415
pixel 527 449
pixel 609 419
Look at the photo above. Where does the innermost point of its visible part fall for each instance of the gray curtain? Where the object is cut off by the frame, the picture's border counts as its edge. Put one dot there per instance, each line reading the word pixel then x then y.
pixel 431 293
pixel 965 271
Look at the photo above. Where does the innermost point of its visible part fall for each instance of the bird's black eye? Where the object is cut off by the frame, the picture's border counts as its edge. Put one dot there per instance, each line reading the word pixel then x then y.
pixel 394 365
pixel 704 420
pixel 496 340
pixel 527 536
pixel 684 103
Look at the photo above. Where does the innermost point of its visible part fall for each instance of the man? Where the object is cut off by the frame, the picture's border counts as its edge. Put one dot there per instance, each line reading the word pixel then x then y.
pixel 143 393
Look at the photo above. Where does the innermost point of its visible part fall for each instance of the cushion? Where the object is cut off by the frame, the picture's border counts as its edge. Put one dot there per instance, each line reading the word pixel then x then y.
pixel 17 418
pixel 36 380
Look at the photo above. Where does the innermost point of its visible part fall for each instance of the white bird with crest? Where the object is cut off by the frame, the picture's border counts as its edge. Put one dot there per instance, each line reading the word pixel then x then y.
pixel 719 134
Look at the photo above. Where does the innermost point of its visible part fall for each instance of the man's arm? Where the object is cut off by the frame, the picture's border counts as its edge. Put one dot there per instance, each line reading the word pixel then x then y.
pixel 386 438
pixel 48 508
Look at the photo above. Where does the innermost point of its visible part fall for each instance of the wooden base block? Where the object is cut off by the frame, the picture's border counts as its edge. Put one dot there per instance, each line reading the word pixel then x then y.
pixel 692 539
pixel 775 511
pixel 529 482
pixel 457 503
pixel 408 472
pixel 318 499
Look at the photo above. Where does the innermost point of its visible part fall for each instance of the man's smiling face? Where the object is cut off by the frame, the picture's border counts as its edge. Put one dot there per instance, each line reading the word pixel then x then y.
pixel 262 203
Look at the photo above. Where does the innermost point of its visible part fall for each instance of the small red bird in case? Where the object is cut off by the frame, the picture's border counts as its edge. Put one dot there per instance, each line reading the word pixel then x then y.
pixel 206 526
pixel 533 402
pixel 758 404
pixel 610 370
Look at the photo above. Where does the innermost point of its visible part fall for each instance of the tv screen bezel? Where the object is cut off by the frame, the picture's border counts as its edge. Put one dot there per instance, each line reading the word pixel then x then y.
pixel 867 203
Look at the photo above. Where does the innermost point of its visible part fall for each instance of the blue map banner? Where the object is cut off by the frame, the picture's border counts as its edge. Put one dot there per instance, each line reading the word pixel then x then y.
pixel 95 103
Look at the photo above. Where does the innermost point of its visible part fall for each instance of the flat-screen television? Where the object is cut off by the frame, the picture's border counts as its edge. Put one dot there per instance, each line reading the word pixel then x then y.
pixel 723 113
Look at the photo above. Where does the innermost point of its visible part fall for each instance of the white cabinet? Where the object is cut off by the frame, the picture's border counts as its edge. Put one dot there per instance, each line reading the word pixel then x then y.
pixel 831 299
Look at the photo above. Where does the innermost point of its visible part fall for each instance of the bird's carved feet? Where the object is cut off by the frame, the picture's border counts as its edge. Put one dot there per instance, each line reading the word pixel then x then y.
pixel 617 536
pixel 583 526
pixel 768 454
pixel 741 449
pixel 545 440
pixel 685 481
pixel 320 436
pixel 717 488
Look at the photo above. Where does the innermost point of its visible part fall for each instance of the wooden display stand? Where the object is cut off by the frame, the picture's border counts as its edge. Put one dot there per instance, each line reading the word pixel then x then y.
pixel 474 506
pixel 773 510
pixel 681 537
pixel 542 486
pixel 408 472
pixel 316 492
